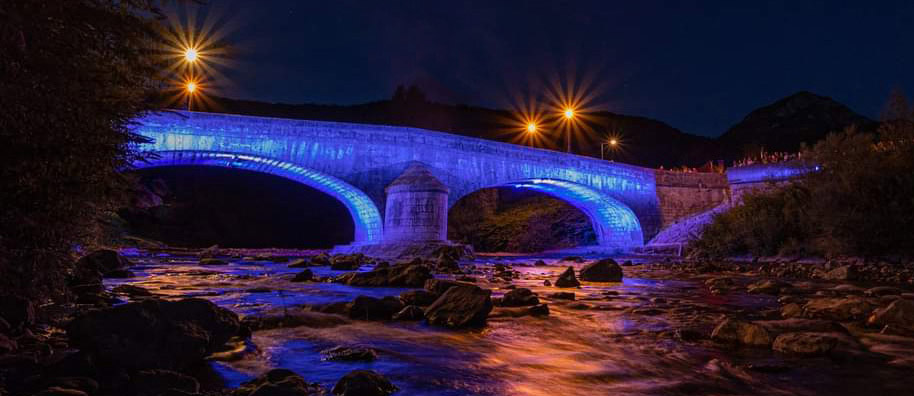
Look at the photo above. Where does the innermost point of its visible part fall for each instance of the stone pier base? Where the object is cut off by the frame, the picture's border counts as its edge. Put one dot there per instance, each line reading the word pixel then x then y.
pixel 404 250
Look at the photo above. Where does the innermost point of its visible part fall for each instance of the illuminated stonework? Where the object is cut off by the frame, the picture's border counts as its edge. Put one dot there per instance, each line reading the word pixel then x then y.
pixel 355 162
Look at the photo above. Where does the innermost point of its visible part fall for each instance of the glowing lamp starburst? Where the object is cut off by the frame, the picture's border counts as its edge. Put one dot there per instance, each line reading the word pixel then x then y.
pixel 569 113
pixel 531 127
pixel 191 87
pixel 191 55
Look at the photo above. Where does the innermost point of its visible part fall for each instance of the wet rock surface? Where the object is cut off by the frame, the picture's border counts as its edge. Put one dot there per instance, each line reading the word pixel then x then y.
pixel 669 327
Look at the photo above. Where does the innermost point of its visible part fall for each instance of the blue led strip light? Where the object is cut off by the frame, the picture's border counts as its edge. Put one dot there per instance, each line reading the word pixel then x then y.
pixel 614 223
pixel 365 214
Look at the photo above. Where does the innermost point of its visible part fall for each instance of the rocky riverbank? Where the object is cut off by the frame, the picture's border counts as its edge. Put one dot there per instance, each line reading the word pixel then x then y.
pixel 210 323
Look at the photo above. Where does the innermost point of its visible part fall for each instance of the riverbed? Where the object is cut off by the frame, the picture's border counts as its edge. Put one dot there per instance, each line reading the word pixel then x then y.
pixel 646 335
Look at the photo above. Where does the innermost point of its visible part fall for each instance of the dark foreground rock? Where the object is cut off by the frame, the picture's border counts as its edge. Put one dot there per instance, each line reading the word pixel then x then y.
pixel 734 331
pixel 279 382
pixel 606 270
pixel 567 279
pixel 106 262
pixel 153 333
pixel 461 306
pixel 401 275
pixel 370 308
pixel 347 262
pixel 364 383
pixel 305 275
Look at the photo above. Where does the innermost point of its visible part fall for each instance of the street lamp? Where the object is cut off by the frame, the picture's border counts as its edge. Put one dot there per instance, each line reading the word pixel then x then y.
pixel 191 55
pixel 191 88
pixel 569 114
pixel 531 127
pixel 612 143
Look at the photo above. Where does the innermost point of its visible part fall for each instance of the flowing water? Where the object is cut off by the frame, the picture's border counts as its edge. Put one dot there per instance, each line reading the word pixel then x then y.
pixel 628 338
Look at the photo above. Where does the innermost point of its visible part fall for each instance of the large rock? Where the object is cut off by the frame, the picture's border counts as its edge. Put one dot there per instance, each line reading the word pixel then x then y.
pixel 306 275
pixel 851 308
pixel 461 306
pixel 370 308
pixel 401 275
pixel 605 270
pixel 154 333
pixel 410 312
pixel 519 298
pixel 738 332
pixel 105 261
pixel 279 382
pixel 347 262
pixel 843 273
pixel 422 298
pixel 17 312
pixel 321 259
pixel 363 383
pixel 567 279
pixel 899 313
pixel 805 344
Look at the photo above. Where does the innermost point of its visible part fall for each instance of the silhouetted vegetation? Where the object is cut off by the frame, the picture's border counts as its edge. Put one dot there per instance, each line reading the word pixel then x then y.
pixel 72 76
pixel 860 202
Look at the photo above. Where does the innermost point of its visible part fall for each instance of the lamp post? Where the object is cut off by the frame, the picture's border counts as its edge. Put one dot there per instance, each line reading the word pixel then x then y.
pixel 569 115
pixel 612 144
pixel 190 88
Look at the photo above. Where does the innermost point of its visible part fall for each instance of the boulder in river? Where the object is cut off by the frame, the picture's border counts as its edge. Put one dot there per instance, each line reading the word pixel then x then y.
pixel 279 382
pixel 105 261
pixel 519 297
pixel 347 262
pixel 739 332
pixel 420 297
pixel 462 306
pixel 321 259
pixel 370 308
pixel 606 270
pixel 843 273
pixel 304 276
pixel 567 279
pixel 900 313
pixel 299 263
pixel 363 383
pixel 400 275
pixel 439 286
pixel 837 308
pixel 805 344
pixel 154 333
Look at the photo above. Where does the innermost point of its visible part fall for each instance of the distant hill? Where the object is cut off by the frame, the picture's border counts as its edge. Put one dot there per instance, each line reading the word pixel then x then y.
pixel 803 117
pixel 780 126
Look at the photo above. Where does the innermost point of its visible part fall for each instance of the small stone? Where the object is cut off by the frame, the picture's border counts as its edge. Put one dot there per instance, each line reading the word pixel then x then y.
pixel 844 273
pixel 349 354
pixel 519 298
pixel 567 279
pixel 767 286
pixel 791 310
pixel 562 296
pixel 299 263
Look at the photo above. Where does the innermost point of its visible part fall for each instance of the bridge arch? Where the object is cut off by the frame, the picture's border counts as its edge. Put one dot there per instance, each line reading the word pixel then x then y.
pixel 365 214
pixel 615 224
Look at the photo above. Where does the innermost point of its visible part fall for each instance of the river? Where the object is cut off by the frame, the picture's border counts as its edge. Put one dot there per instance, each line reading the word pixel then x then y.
pixel 647 335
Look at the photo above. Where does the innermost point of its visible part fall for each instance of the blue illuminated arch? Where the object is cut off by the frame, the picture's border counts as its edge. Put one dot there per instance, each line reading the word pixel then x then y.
pixel 365 214
pixel 614 223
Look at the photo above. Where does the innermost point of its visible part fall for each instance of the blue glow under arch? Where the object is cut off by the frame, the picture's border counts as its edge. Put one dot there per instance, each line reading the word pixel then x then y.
pixel 365 214
pixel 614 223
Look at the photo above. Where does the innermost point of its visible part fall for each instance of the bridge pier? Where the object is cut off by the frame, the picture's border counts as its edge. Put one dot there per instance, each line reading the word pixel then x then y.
pixel 416 209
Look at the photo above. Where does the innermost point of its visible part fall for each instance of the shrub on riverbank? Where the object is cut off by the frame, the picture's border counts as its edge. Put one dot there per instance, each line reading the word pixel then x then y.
pixel 72 76
pixel 859 202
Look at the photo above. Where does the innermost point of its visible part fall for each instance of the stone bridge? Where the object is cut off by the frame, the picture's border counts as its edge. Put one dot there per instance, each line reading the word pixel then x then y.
pixel 398 182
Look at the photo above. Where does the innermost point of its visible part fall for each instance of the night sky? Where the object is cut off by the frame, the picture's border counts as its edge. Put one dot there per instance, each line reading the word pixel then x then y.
pixel 699 66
